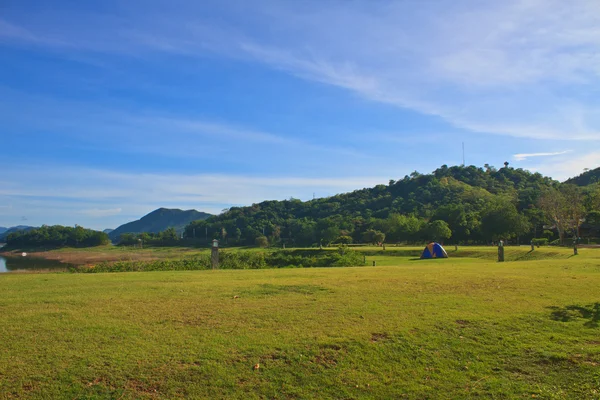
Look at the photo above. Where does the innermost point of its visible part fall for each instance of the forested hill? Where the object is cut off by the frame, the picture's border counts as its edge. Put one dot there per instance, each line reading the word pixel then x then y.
pixel 8 231
pixel 160 220
pixel 587 178
pixel 460 203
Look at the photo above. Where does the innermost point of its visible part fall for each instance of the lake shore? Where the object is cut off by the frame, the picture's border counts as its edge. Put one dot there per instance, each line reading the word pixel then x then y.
pixel 95 255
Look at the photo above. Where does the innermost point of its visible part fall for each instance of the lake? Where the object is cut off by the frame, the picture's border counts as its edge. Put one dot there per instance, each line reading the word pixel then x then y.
pixel 14 264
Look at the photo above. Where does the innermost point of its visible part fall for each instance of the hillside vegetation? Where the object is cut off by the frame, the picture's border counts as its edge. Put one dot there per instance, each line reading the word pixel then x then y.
pixel 160 220
pixel 462 204
pixel 54 237
pixel 13 229
pixel 587 178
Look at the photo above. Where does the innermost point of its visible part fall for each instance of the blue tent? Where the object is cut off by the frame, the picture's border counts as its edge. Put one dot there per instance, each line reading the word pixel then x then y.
pixel 434 250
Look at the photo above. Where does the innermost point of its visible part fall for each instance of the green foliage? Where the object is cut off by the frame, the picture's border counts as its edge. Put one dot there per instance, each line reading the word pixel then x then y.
pixel 344 239
pixel 587 178
pixel 477 204
pixel 540 242
pixel 565 208
pixel 236 260
pixel 261 241
pixel 438 231
pixel 373 236
pixel 56 236
pixel 158 221
pixel 168 237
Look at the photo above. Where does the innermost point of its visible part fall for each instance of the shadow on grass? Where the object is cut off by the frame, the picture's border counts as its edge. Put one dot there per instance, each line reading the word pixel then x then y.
pixel 590 312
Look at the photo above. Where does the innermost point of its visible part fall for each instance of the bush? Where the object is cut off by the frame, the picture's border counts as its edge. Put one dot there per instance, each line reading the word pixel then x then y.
pixel 343 240
pixel 540 241
pixel 261 241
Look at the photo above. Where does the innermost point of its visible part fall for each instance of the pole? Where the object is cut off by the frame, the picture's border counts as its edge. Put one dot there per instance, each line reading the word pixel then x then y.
pixel 214 256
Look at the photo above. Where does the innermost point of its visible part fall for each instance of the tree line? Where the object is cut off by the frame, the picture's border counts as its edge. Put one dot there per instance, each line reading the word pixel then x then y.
pixel 167 237
pixel 57 236
pixel 460 204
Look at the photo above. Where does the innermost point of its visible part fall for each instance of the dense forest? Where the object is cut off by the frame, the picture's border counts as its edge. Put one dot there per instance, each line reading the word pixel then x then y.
pixel 460 204
pixel 56 236
pixel 588 177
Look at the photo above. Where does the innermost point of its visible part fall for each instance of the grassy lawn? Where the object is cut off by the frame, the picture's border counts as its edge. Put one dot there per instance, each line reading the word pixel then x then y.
pixel 463 327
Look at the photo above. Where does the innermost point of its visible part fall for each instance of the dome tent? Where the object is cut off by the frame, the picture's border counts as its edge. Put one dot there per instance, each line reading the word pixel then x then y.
pixel 434 250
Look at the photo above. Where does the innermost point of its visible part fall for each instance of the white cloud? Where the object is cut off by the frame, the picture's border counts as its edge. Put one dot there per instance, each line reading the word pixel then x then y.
pixel 525 156
pixel 524 68
pixel 566 166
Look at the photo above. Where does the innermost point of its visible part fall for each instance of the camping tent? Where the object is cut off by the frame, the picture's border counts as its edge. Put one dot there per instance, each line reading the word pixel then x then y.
pixel 434 250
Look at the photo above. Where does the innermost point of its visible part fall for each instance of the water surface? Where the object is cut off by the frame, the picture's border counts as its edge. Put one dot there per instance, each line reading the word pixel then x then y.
pixel 24 264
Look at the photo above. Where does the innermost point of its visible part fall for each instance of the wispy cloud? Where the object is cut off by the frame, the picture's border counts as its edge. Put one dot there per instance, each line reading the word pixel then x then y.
pixel 518 68
pixel 11 31
pixel 563 166
pixel 525 156
pixel 101 126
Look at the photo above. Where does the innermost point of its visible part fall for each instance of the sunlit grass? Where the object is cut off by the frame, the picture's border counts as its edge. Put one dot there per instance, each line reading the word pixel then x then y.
pixel 455 328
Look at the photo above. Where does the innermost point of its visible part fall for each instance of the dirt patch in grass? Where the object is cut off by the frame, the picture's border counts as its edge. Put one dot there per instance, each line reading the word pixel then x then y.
pixel 379 337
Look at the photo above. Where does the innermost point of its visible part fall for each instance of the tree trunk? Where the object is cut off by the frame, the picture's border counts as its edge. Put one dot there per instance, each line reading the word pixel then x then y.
pixel 561 234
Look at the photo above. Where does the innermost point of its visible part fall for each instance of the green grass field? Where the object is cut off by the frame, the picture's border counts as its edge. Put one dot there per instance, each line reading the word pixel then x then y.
pixel 463 327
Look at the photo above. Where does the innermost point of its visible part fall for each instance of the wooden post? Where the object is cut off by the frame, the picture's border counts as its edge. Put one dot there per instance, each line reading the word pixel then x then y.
pixel 214 254
pixel 374 263
pixel 501 251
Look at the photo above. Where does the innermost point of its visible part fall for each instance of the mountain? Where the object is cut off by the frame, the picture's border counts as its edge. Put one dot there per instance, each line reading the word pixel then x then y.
pixel 107 231
pixel 464 203
pixel 8 231
pixel 160 220
pixel 2 230
pixel 587 178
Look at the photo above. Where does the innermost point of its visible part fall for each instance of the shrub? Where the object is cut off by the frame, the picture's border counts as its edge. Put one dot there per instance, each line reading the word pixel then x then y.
pixel 261 241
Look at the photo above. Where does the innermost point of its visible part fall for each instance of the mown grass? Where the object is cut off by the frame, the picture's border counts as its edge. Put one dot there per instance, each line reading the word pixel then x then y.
pixel 454 328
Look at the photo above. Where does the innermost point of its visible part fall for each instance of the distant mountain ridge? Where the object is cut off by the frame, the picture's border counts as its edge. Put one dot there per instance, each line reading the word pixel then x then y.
pixel 160 220
pixel 8 231
pixel 3 229
pixel 587 178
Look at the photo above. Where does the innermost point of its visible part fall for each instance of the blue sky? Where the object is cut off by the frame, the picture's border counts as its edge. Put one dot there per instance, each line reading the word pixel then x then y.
pixel 111 109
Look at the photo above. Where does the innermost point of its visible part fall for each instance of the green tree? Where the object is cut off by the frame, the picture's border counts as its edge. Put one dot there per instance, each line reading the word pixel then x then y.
pixel 438 231
pixel 373 236
pixel 565 208
pixel 501 220
pixel 261 241
pixel 344 239
pixel 238 234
